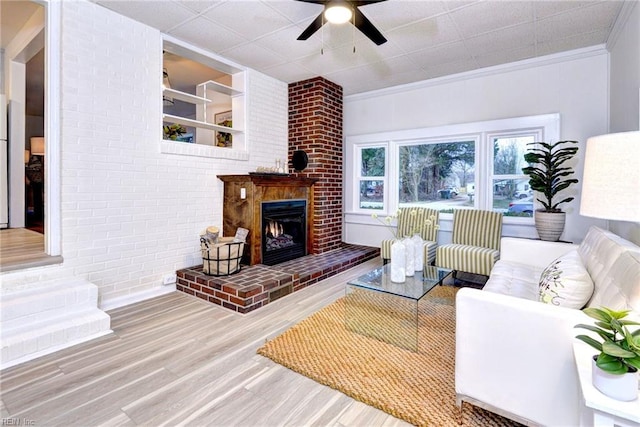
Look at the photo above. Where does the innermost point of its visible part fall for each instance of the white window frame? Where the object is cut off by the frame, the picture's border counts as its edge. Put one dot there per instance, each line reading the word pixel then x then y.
pixel 548 126
pixel 450 139
pixel 536 133
pixel 358 177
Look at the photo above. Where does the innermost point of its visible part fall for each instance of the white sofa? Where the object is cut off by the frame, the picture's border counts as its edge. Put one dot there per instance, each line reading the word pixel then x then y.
pixel 514 354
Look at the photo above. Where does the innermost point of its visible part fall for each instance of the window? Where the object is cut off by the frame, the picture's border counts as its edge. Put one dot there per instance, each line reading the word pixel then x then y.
pixel 472 165
pixel 436 173
pixel 511 193
pixel 371 177
pixel 202 98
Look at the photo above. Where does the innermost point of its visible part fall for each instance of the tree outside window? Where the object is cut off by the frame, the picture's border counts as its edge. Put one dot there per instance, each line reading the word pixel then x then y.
pixel 511 192
pixel 371 180
pixel 436 174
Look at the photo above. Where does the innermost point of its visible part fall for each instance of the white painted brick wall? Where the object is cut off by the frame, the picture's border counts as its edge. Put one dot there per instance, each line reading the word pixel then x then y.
pixel 130 213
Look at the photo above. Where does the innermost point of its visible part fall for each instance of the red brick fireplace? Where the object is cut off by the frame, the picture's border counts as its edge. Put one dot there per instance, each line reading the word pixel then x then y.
pixel 315 126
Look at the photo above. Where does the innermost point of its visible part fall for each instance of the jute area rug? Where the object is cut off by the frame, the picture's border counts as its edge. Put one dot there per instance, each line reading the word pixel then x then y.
pixel 417 387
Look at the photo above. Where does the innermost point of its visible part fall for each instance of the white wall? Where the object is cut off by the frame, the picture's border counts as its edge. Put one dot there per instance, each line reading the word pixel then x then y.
pixel 130 213
pixel 625 73
pixel 574 84
pixel 625 93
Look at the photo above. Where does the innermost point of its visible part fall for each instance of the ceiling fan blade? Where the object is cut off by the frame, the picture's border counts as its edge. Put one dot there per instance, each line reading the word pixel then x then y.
pixel 368 29
pixel 312 28
pixel 358 3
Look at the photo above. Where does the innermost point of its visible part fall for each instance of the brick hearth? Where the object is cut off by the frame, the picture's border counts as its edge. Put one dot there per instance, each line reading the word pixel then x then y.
pixel 257 285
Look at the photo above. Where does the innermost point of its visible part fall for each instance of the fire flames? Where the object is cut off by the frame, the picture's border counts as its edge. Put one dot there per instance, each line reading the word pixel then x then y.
pixel 274 229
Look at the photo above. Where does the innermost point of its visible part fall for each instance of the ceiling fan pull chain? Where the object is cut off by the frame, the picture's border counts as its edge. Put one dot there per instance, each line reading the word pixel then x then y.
pixel 353 31
pixel 322 36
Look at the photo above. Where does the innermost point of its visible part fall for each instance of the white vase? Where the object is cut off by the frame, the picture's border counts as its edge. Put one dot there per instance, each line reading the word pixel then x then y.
pixel 398 262
pixel 620 387
pixel 409 270
pixel 418 253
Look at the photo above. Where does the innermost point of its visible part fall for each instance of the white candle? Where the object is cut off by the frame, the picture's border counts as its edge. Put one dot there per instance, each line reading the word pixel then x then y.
pixel 409 258
pixel 398 262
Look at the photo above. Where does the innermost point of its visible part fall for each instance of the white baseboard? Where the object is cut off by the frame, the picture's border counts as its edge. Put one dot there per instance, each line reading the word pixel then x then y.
pixel 137 297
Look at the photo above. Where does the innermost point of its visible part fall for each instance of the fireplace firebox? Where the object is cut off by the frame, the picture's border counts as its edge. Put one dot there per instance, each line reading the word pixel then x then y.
pixel 284 230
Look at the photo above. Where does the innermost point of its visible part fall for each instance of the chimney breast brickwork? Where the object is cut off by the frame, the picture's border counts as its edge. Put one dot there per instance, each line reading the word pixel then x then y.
pixel 315 126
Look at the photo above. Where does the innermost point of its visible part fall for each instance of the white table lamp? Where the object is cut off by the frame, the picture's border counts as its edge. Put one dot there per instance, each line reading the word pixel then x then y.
pixel 611 179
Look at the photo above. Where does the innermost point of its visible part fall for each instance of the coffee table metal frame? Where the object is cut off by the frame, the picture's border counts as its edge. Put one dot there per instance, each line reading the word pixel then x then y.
pixel 379 308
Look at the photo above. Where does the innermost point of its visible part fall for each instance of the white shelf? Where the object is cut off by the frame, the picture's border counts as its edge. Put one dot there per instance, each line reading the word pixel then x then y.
pixel 219 87
pixel 186 97
pixel 198 124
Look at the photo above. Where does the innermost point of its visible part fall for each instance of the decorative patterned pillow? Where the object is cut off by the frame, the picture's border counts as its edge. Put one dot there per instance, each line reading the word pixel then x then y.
pixel 566 282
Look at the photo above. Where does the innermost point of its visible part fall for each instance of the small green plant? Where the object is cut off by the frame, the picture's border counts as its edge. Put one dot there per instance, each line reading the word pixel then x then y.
pixel 620 348
pixel 546 173
pixel 173 131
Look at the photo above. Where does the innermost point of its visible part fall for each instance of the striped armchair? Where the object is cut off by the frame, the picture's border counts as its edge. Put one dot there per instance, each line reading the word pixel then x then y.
pixel 475 244
pixel 408 223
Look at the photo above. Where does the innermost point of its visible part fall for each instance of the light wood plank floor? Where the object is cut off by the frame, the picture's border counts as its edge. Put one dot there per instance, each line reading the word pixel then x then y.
pixel 23 248
pixel 176 360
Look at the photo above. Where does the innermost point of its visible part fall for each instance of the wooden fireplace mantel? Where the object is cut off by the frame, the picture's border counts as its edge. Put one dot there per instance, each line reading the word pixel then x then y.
pixel 245 212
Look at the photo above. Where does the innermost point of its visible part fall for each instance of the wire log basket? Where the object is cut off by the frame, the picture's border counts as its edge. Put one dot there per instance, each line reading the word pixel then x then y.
pixel 222 258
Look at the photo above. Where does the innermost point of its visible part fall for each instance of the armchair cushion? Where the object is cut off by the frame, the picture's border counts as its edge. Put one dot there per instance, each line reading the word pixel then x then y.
pixel 430 252
pixel 566 282
pixel 467 258
pixel 475 242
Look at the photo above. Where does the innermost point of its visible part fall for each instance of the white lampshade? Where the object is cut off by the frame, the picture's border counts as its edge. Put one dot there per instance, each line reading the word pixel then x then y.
pixel 37 145
pixel 338 12
pixel 611 180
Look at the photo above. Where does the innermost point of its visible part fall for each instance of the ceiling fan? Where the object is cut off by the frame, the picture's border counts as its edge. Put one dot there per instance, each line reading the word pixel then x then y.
pixel 339 12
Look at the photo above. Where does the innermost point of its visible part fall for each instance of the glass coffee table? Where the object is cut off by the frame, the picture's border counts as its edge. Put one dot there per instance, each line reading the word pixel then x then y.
pixel 379 308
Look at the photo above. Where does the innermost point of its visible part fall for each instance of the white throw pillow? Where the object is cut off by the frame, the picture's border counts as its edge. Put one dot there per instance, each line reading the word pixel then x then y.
pixel 565 282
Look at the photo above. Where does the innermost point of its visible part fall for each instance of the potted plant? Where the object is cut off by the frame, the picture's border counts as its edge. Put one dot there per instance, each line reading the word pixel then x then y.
pixel 173 132
pixel 615 368
pixel 547 175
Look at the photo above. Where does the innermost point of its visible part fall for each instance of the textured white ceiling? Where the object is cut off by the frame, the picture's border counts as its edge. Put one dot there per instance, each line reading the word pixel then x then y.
pixel 426 39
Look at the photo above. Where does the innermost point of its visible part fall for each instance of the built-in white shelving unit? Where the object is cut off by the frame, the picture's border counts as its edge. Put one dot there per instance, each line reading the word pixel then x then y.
pixel 218 95
pixel 186 97
pixel 205 87
pixel 199 124
pixel 220 88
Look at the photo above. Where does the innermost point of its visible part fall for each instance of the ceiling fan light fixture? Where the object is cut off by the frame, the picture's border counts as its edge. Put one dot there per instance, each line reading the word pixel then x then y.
pixel 338 13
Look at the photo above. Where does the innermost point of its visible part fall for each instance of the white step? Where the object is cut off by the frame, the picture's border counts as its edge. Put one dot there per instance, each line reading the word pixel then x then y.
pixel 50 316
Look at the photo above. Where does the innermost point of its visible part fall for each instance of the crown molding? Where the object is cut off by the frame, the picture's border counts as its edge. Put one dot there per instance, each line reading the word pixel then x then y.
pixel 621 21
pixel 555 58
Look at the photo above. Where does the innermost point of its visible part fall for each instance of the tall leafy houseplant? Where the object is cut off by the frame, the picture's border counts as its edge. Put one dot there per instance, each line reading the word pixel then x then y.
pixel 548 175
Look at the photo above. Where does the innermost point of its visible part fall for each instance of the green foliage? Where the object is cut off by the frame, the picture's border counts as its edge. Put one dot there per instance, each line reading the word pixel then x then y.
pixel 620 348
pixel 505 160
pixel 547 173
pixel 425 167
pixel 373 161
pixel 173 131
pixel 517 214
